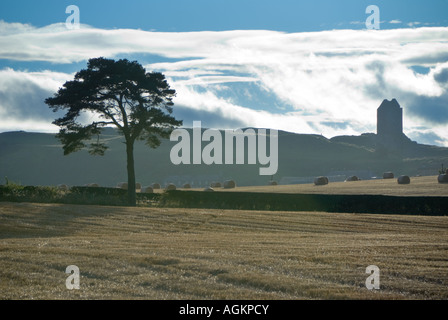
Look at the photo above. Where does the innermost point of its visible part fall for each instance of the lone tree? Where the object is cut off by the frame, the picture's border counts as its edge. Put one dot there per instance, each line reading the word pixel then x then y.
pixel 120 93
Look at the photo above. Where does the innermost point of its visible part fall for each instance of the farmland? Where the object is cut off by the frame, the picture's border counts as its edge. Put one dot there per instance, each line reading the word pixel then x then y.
pixel 176 253
pixel 419 186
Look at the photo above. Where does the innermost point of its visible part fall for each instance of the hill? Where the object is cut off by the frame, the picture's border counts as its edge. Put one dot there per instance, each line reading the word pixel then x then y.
pixel 37 159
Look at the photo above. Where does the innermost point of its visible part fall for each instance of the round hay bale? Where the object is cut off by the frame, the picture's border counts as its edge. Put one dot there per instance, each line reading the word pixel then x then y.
pixel 352 178
pixel 216 185
pixel 138 186
pixel 63 187
pixel 209 189
pixel 187 186
pixel 156 186
pixel 388 175
pixel 170 186
pixel 273 183
pixel 442 178
pixel 93 185
pixel 404 180
pixel 320 181
pixel 122 185
pixel 229 184
pixel 146 190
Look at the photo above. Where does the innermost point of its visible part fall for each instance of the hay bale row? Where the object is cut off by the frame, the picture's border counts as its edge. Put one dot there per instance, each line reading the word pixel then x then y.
pixel 442 178
pixel 147 190
pixel 320 181
pixel 124 186
pixel 170 187
pixel 187 186
pixel 229 184
pixel 404 180
pixel 215 185
pixel 388 175
pixel 352 178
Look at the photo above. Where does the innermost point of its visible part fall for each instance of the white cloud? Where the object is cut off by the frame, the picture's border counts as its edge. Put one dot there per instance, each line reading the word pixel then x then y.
pixel 206 80
pixel 413 24
pixel 330 82
pixel 14 28
pixel 22 96
pixel 209 102
pixel 28 125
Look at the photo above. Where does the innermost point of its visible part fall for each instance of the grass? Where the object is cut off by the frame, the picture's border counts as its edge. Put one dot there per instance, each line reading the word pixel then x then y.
pixel 171 253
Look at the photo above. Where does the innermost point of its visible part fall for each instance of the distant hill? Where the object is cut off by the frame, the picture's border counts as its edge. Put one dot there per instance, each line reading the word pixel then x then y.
pixel 37 159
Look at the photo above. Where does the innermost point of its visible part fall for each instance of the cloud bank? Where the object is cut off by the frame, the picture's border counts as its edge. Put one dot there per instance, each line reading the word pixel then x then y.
pixel 327 82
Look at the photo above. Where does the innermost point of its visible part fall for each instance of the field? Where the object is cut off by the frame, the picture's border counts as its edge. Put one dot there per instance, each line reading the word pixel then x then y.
pixel 419 186
pixel 175 253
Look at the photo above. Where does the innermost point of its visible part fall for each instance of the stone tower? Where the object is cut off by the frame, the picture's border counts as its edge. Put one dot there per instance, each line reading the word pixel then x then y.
pixel 389 119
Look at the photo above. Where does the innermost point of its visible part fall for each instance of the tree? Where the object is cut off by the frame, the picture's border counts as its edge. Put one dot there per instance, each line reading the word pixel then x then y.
pixel 122 94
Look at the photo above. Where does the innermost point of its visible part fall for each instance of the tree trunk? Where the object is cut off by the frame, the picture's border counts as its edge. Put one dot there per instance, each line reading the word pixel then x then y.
pixel 131 174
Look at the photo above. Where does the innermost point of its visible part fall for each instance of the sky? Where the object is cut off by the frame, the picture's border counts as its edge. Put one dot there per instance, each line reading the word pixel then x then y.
pixel 300 66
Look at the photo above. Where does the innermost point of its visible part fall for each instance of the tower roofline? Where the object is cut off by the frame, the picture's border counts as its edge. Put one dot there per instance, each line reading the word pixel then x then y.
pixel 388 104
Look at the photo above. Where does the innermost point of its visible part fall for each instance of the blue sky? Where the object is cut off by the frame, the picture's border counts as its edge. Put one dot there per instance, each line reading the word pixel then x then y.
pixel 300 66
pixel 219 15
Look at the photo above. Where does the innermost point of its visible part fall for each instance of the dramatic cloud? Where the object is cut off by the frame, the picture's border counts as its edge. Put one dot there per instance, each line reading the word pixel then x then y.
pixel 328 82
pixel 22 96
pixel 441 76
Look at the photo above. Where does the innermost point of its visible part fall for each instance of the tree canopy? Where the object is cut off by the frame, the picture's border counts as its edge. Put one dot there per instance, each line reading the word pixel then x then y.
pixel 114 93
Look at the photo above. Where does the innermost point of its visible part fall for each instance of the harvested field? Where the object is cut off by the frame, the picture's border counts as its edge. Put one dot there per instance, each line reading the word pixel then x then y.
pixel 419 186
pixel 170 253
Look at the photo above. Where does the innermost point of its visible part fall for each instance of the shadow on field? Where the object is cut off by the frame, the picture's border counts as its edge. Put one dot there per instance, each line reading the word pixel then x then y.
pixel 436 206
pixel 42 220
pixel 414 205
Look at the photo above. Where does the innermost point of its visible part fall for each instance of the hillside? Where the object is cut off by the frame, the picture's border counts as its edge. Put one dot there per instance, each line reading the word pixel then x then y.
pixel 37 159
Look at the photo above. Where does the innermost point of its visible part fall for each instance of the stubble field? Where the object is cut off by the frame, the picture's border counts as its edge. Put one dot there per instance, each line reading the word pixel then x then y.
pixel 419 186
pixel 172 253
